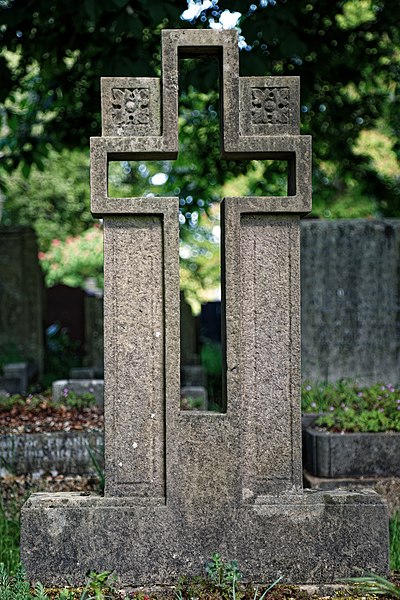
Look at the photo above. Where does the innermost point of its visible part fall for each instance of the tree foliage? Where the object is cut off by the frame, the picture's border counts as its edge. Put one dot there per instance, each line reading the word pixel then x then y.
pixel 75 260
pixel 54 201
pixel 346 52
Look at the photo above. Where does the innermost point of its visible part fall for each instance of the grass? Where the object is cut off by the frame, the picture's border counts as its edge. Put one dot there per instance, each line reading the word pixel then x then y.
pixel 371 586
pixel 9 537
pixel 395 542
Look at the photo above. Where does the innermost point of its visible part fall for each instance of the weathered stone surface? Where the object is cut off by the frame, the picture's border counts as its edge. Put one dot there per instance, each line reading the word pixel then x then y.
pixel 312 536
pixel 269 106
pixel 130 106
pixel 21 297
pixel 141 299
pixel 181 485
pixel 352 454
pixel 387 487
pixel 61 387
pixel 183 43
pixel 350 301
pixel 65 452
pixel 263 350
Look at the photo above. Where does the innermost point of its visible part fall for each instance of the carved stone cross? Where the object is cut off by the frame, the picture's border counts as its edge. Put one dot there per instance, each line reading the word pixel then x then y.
pixel 262 334
pixel 181 485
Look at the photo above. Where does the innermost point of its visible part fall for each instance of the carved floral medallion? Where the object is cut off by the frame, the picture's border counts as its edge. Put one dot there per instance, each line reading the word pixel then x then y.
pixel 270 105
pixel 130 107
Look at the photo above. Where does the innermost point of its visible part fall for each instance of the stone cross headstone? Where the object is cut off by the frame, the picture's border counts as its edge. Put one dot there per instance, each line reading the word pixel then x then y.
pixel 181 485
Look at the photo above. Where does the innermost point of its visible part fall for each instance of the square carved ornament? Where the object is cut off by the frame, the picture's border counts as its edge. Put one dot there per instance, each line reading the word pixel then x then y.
pixel 270 105
pixel 129 108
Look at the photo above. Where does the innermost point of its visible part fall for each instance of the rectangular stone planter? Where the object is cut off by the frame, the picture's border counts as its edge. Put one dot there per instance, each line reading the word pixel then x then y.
pixel 352 454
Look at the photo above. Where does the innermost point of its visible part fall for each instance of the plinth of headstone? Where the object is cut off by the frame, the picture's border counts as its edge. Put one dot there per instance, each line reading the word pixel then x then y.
pixel 16 377
pixel 62 387
pixel 82 373
pixel 181 485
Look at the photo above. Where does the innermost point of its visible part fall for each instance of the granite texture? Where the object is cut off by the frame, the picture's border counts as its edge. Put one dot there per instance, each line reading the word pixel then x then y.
pixel 263 342
pixel 350 310
pixel 141 299
pixel 130 106
pixel 269 106
pixel 181 485
pixel 64 452
pixel 185 43
pixel 312 536
pixel 352 454
pixel 387 487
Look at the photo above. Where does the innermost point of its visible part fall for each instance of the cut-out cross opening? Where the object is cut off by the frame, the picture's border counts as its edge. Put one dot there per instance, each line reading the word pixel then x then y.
pixel 199 188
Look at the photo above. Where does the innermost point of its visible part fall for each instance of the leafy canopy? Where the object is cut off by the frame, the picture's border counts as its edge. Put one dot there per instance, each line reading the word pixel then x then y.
pixel 347 54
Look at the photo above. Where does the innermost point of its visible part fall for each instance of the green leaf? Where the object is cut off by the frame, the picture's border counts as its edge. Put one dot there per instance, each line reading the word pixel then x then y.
pixel 26 169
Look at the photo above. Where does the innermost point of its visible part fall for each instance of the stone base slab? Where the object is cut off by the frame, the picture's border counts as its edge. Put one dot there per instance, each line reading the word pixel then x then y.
pixel 310 538
pixel 387 487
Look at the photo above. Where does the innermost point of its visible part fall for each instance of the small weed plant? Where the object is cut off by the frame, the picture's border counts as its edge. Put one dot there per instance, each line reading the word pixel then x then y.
pixel 349 407
pixel 224 575
pixel 17 587
pixel 99 586
pixel 222 580
pixel 79 401
pixel 374 585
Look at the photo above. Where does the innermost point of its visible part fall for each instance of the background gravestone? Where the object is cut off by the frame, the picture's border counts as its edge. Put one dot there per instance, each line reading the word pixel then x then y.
pixel 21 298
pixel 94 333
pixel 350 300
pixel 181 485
